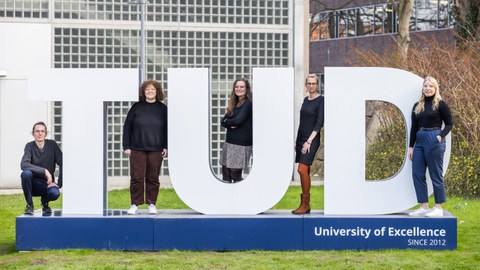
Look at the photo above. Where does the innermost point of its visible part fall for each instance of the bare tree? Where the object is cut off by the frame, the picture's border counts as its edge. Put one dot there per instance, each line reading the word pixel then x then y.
pixel 403 9
pixel 404 12
pixel 467 16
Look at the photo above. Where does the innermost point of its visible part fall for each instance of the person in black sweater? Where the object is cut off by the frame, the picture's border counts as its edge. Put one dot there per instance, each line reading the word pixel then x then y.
pixel 237 148
pixel 308 139
pixel 38 170
pixel 427 146
pixel 145 142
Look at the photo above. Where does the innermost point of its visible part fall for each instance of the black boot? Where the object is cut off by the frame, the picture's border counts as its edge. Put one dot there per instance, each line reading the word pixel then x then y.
pixel 226 178
pixel 29 210
pixel 236 175
pixel 46 210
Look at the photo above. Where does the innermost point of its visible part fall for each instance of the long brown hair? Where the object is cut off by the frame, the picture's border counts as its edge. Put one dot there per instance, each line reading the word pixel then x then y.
pixel 436 98
pixel 160 95
pixel 233 101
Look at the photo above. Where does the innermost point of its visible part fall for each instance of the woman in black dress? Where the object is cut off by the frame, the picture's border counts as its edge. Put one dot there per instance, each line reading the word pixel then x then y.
pixel 308 138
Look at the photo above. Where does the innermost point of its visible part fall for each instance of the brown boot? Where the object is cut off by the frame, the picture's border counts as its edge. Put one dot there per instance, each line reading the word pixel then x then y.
pixel 304 207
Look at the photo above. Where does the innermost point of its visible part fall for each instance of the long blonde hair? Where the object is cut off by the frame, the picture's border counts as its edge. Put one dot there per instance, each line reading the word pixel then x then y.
pixel 436 98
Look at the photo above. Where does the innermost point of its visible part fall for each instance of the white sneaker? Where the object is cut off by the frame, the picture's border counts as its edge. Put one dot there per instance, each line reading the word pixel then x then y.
pixel 435 212
pixel 133 210
pixel 419 212
pixel 152 210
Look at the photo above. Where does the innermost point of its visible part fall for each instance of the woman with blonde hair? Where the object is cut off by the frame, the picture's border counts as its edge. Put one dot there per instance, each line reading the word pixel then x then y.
pixel 427 146
pixel 308 139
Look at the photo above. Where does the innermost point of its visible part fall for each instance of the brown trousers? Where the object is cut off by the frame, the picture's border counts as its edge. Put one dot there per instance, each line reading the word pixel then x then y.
pixel 144 173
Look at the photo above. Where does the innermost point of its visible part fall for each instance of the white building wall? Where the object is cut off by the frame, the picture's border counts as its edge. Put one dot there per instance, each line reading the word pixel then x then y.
pixel 24 46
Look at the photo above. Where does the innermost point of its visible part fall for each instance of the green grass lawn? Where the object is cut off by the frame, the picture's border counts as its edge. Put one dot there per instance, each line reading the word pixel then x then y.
pixel 467 255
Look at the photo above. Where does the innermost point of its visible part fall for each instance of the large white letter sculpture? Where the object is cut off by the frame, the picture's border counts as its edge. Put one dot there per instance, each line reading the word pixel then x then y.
pixel 188 142
pixel 83 92
pixel 346 90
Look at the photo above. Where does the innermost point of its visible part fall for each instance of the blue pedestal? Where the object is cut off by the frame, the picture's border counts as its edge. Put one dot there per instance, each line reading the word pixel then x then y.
pixel 187 230
pixel 397 231
pixel 272 230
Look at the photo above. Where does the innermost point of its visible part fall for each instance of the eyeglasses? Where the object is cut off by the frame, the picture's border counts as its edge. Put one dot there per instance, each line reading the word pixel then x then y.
pixel 311 84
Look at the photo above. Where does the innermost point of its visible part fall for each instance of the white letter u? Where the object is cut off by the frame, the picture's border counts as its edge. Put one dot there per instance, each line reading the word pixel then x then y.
pixel 188 141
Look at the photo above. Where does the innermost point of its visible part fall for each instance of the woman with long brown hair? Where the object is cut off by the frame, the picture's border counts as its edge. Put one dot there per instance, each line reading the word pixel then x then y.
pixel 237 148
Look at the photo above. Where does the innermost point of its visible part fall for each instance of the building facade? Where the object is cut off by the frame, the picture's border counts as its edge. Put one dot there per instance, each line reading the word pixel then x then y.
pixel 337 30
pixel 230 37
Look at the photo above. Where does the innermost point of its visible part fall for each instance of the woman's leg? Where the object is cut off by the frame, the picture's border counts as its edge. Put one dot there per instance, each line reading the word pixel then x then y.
pixel 138 161
pixel 152 183
pixel 236 175
pixel 304 171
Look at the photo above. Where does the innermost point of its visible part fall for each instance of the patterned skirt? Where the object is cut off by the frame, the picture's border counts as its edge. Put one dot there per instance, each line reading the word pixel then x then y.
pixel 235 156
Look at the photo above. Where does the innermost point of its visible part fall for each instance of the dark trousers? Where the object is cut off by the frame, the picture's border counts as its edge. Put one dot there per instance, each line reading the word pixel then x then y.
pixel 428 154
pixel 144 173
pixel 33 186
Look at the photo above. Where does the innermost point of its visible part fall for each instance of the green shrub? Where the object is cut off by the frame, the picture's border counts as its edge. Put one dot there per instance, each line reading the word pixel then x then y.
pixel 458 72
pixel 385 149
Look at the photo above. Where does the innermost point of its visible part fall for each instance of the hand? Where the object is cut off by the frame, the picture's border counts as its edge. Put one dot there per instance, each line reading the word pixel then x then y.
pixel 165 153
pixel 439 138
pixel 410 153
pixel 48 176
pixel 127 152
pixel 306 148
pixel 53 184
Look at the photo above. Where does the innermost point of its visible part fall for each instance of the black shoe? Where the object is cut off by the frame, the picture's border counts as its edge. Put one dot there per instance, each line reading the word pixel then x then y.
pixel 46 210
pixel 29 210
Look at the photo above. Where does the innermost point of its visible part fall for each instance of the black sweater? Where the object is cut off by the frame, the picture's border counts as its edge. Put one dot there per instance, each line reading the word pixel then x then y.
pixel 145 128
pixel 431 118
pixel 37 160
pixel 239 125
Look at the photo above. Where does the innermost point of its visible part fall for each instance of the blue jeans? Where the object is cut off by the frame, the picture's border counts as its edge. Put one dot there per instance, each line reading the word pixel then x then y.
pixel 428 154
pixel 33 186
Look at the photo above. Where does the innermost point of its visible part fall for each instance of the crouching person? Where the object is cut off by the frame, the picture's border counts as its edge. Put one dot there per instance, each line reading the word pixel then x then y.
pixel 38 170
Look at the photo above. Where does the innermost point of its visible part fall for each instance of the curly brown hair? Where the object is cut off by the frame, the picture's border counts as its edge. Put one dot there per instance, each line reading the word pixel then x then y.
pixel 160 95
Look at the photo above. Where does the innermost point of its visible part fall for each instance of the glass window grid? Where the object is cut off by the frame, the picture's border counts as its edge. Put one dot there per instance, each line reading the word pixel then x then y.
pixel 426 15
pixel 36 9
pixel 229 55
pixel 274 12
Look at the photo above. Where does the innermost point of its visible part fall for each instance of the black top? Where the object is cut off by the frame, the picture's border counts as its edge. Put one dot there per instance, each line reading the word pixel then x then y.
pixel 145 128
pixel 241 120
pixel 37 160
pixel 431 118
pixel 311 118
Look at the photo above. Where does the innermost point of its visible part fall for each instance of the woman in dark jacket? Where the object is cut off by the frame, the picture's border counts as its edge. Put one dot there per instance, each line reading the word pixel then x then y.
pixel 145 142
pixel 237 147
